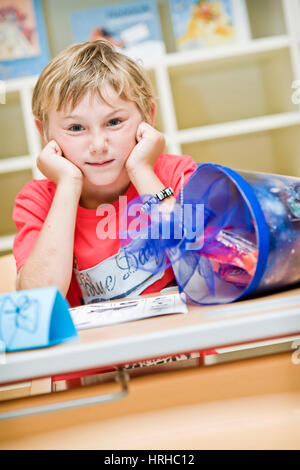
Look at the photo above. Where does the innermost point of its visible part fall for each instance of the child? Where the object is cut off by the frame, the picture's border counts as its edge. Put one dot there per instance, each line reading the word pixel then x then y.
pixel 94 108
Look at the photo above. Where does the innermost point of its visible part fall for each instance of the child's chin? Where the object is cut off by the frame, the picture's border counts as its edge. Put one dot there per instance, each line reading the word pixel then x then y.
pixel 114 180
pixel 101 180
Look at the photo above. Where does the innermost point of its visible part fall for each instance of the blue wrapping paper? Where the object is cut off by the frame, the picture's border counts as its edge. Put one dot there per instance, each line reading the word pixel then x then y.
pixel 247 241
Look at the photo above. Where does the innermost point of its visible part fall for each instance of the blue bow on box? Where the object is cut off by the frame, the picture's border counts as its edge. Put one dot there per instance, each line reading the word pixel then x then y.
pixel 34 318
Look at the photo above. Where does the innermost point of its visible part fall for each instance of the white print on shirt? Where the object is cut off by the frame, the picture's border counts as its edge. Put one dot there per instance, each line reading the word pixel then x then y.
pixel 125 274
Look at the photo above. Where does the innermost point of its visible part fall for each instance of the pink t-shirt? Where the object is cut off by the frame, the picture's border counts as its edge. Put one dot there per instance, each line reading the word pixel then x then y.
pixel 101 271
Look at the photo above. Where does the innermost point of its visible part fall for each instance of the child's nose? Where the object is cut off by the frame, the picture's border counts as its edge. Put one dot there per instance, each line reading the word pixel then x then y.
pixel 98 143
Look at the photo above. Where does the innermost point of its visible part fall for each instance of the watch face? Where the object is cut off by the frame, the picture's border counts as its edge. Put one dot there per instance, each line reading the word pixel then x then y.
pixel 161 195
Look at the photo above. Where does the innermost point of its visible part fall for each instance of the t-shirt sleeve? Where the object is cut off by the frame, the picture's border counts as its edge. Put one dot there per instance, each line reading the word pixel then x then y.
pixel 30 211
pixel 175 170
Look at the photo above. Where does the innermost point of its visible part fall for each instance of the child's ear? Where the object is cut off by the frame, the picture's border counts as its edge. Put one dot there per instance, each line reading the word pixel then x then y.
pixel 39 126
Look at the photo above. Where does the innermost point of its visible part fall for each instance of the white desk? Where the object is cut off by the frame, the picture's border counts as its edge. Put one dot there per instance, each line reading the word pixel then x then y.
pixel 252 403
pixel 253 321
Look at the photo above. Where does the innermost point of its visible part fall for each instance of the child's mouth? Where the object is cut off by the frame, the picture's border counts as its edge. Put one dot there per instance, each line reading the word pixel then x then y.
pixel 98 164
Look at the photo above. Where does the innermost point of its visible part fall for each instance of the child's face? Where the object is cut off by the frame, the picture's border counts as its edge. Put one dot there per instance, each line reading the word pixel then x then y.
pixel 98 138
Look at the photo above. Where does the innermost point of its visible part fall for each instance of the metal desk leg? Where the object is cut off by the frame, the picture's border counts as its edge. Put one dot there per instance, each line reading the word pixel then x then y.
pixel 121 376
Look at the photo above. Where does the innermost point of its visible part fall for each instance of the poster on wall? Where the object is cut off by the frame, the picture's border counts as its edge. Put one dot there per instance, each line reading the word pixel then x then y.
pixel 23 40
pixel 208 23
pixel 133 27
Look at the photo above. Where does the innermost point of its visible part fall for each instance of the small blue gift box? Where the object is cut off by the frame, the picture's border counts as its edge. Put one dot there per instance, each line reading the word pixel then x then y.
pixel 34 318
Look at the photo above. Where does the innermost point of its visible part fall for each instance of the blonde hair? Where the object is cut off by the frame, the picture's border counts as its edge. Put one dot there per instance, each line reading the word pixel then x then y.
pixel 90 66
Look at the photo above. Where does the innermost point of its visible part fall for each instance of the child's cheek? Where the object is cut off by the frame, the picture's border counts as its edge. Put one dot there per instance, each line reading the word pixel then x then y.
pixel 127 151
pixel 69 148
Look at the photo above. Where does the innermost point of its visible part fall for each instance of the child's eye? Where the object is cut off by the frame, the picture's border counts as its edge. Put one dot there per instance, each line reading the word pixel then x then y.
pixel 76 128
pixel 114 122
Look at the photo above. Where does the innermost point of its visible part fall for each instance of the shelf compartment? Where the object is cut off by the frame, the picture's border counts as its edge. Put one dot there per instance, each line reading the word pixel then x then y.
pixel 266 17
pixel 12 128
pixel 10 183
pixel 270 151
pixel 223 92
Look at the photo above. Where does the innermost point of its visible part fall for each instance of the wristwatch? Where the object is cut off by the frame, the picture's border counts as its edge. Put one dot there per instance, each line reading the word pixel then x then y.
pixel 158 197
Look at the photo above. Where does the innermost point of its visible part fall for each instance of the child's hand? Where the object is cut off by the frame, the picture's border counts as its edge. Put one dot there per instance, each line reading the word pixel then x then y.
pixel 55 167
pixel 150 144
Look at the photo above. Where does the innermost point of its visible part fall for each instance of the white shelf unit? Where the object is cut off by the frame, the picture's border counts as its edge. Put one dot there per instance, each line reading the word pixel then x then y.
pixel 249 86
pixel 24 87
pixel 12 165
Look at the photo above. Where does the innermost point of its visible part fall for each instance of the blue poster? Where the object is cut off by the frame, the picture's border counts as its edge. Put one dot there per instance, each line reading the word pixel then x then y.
pixel 133 27
pixel 23 41
pixel 199 23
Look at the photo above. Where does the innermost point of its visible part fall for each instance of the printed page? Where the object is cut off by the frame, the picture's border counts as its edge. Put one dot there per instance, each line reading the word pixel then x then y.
pixel 109 313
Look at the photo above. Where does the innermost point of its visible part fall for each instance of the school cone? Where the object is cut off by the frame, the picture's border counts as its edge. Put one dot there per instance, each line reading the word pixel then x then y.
pixel 250 242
